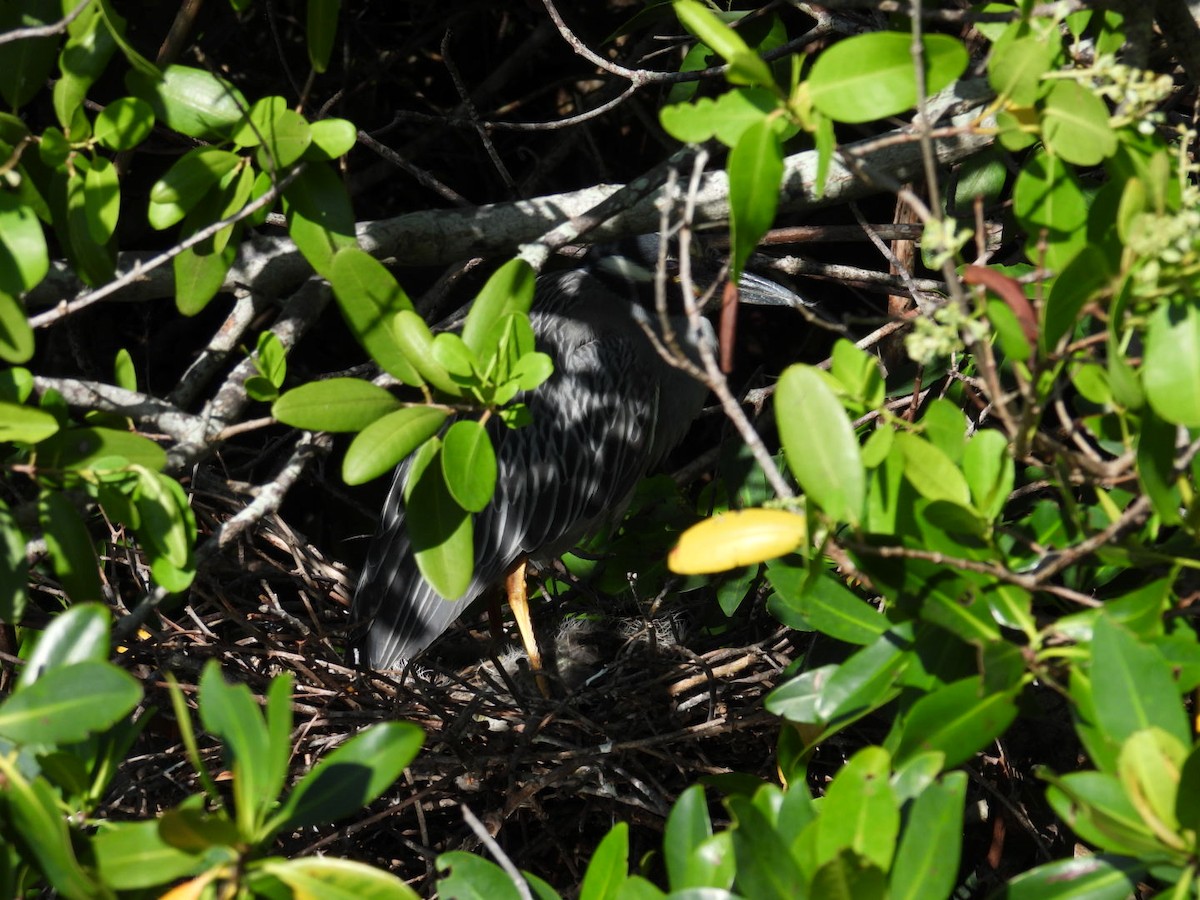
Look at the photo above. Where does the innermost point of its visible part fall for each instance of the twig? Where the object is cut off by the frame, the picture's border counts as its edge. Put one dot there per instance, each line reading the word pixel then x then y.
pixel 497 853
pixel 142 408
pixel 1028 582
pixel 139 269
pixel 37 31
pixel 715 379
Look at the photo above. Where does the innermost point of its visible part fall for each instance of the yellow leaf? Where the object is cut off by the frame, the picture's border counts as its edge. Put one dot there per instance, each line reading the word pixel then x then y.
pixel 737 539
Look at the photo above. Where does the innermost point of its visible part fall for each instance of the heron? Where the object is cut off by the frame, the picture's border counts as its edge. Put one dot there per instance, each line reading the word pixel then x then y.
pixel 612 411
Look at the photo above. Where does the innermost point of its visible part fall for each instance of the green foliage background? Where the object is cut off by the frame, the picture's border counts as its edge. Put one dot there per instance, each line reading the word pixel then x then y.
pixel 991 506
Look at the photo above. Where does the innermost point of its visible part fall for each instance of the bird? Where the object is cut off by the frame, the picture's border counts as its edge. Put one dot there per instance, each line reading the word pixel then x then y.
pixel 613 410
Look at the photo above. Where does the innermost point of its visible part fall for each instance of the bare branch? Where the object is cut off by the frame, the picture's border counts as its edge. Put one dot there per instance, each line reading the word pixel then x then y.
pixel 37 31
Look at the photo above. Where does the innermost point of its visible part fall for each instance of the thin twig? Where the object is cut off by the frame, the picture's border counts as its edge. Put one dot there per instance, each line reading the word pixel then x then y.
pixel 497 853
pixel 140 268
pixel 37 31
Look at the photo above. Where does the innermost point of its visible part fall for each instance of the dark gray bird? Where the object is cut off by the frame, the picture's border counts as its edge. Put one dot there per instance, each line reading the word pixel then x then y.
pixel 613 409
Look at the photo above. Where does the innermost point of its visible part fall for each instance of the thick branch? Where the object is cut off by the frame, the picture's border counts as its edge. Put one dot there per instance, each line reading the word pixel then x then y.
pixel 271 266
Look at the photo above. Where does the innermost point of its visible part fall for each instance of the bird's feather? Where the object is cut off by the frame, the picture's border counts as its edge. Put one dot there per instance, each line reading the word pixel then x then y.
pixel 612 410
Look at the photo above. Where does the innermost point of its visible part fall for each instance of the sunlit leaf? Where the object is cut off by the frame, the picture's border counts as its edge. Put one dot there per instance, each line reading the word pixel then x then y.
pixel 737 538
pixel 821 447
pixel 871 76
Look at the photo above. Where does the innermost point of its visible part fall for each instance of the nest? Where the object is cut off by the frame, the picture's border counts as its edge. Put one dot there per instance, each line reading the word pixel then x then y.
pixel 645 707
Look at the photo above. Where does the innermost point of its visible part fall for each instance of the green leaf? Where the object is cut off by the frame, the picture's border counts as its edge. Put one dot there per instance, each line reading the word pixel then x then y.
pixel 200 271
pixel 860 812
pixel 926 866
pixel 452 354
pixel 915 775
pixel 1171 365
pixel 321 21
pixel 823 603
pixel 102 449
pixel 165 519
pixel 229 711
pixel 190 101
pixel 1049 201
pixel 688 827
pixel 441 531
pixel 510 289
pixel 1186 811
pixel 319 216
pixel 866 680
pixel 726 117
pixel 124 374
pixel 78 634
pixel 745 67
pixel 70 547
pixel 1135 683
pixel 68 703
pixel 54 148
pixel 16 337
pixel 981 176
pixel 849 877
pixel 352 776
pixel 989 471
pixel 1097 877
pixel 252 129
pixel 95 263
pixel 1095 806
pixel 416 340
pixel 858 372
pixel 755 172
pixel 285 139
pixel 532 370
pixel 270 358
pixel 82 61
pixel 796 700
pixel 1087 274
pixel 279 733
pixel 187 182
pixel 945 426
pixel 25 424
pixel 190 828
pixel 766 869
pixel 469 464
pixel 830 469
pixel 932 472
pixel 466 876
pixel 331 139
pixel 24 259
pixel 14 568
pixel 370 298
pixel 384 444
pixel 871 76
pixel 336 404
pixel 103 193
pixel 1075 125
pixel 334 879
pixel 1156 467
pixel 133 856
pixel 1016 67
pixel 34 813
pixel 1149 767
pixel 957 720
pixel 609 866
pixel 124 123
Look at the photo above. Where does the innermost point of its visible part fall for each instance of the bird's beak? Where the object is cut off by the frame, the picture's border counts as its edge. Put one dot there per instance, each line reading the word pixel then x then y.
pixel 754 290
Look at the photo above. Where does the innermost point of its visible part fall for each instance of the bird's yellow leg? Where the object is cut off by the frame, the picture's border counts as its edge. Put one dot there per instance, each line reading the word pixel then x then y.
pixel 518 599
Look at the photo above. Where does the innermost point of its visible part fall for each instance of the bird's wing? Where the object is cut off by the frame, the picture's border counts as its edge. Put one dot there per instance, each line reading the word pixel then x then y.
pixel 594 432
